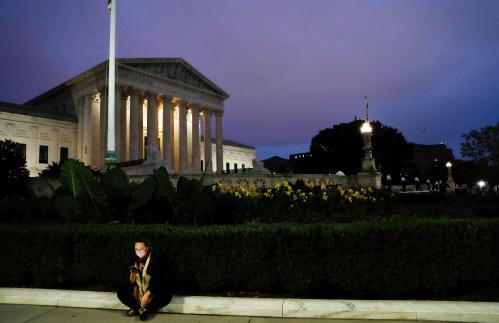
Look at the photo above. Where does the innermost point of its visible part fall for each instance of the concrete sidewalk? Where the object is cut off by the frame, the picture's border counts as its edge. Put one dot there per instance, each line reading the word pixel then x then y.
pixel 53 314
pixel 278 308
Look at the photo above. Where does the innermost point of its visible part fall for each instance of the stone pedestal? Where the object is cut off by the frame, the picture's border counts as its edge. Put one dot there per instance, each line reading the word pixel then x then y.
pixel 146 168
pixel 368 165
pixel 369 179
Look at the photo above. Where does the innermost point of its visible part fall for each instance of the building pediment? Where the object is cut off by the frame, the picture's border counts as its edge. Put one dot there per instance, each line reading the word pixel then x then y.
pixel 174 69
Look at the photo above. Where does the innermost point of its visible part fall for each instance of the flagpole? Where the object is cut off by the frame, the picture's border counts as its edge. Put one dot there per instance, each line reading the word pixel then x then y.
pixel 110 157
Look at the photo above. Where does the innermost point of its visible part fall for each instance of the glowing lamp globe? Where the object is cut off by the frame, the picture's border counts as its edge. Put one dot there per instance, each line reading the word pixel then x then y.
pixel 366 128
pixel 448 165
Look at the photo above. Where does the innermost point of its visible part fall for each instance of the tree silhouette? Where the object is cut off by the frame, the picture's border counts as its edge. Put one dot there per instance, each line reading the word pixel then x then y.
pixel 482 145
pixel 340 148
pixel 13 173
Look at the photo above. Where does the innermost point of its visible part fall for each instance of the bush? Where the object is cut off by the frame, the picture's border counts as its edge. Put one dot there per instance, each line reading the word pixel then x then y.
pixel 14 175
pixel 390 259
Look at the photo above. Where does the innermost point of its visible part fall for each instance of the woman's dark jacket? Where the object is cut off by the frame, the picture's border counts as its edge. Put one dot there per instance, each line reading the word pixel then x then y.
pixel 160 271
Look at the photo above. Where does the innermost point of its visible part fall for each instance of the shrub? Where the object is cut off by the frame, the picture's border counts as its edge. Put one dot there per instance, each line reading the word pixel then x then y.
pixel 389 259
pixel 14 175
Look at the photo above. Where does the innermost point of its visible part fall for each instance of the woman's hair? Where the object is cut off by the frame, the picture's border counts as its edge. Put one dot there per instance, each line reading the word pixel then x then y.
pixel 145 242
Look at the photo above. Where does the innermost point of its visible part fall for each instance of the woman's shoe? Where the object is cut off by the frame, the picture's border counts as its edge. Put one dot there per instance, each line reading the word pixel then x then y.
pixel 132 312
pixel 144 313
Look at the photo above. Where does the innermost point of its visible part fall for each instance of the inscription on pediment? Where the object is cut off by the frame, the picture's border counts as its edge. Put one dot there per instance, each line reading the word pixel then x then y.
pixel 176 72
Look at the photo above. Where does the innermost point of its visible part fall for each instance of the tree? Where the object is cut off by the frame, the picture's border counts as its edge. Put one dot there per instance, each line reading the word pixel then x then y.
pixel 340 148
pixel 337 148
pixel 482 146
pixel 13 173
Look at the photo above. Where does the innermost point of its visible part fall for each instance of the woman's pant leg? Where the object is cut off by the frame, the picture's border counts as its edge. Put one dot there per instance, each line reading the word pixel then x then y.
pixel 125 294
pixel 159 301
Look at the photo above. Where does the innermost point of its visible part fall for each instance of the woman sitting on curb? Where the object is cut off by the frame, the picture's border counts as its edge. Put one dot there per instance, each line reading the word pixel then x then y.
pixel 146 285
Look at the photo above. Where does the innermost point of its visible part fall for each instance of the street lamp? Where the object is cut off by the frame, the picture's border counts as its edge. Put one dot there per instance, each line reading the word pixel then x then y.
pixel 368 164
pixel 366 128
pixel 481 184
pixel 450 180
pixel 368 175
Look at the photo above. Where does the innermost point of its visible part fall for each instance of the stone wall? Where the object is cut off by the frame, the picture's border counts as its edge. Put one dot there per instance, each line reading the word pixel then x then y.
pixel 270 180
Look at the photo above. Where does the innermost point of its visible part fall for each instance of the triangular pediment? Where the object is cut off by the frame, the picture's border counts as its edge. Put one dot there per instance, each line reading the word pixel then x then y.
pixel 175 69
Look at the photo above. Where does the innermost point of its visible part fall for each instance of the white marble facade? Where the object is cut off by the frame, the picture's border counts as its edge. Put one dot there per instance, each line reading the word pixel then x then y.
pixel 166 99
pixel 34 132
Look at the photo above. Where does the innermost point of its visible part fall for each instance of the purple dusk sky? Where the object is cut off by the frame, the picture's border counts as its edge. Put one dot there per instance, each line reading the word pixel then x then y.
pixel 292 67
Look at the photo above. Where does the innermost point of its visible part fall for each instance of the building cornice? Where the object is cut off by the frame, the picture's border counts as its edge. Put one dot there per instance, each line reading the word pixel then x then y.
pixel 95 77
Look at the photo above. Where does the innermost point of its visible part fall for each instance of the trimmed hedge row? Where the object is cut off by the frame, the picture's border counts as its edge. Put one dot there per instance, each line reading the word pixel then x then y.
pixel 388 259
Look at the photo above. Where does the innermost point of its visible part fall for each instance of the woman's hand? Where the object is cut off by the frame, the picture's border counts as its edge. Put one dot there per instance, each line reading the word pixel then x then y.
pixel 133 275
pixel 145 299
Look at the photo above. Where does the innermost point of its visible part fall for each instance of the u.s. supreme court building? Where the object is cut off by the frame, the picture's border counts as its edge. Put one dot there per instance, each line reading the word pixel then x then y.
pixel 162 98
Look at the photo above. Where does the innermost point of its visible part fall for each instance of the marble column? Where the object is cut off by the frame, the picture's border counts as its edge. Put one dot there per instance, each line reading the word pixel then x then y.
pixel 173 161
pixel 219 140
pixel 103 127
pixel 135 132
pixel 118 116
pixel 207 142
pixel 196 160
pixel 95 137
pixel 152 128
pixel 124 132
pixel 167 130
pixel 182 133
pixel 87 129
pixel 79 147
pixel 140 126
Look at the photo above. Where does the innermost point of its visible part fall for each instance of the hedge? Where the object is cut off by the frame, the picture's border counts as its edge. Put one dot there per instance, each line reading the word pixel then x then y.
pixel 421 258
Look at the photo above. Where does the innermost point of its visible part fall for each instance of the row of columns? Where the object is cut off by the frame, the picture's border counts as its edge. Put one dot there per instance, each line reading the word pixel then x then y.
pixel 92 130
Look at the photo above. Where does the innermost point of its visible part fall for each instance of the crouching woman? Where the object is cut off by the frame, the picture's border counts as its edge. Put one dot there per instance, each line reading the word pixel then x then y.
pixel 146 286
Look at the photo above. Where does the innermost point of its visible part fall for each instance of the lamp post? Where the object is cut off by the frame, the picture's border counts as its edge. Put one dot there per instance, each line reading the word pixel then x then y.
pixel 368 175
pixel 450 180
pixel 481 184
pixel 368 164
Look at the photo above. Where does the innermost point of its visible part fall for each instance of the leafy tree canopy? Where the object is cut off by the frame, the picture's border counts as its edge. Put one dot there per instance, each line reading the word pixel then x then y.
pixel 482 145
pixel 341 148
pixel 14 175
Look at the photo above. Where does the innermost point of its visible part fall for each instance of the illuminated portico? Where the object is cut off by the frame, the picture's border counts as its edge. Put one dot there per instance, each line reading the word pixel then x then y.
pixel 164 99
